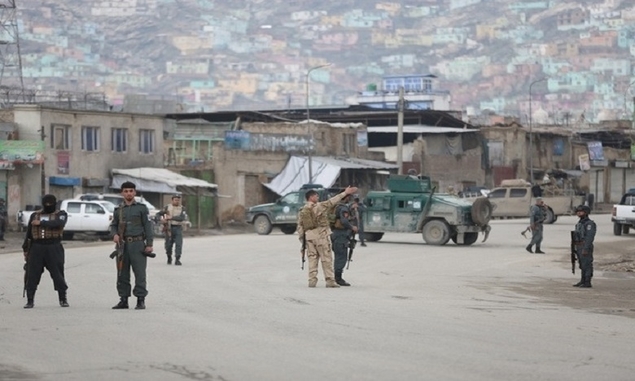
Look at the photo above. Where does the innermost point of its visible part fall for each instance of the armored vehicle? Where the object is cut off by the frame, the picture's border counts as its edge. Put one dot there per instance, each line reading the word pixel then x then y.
pixel 284 212
pixel 411 205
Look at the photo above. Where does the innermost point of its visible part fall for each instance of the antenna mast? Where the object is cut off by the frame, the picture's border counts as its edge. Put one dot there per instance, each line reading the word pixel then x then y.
pixel 11 80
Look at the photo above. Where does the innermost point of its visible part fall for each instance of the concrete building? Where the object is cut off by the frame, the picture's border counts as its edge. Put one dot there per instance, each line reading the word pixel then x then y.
pixel 67 152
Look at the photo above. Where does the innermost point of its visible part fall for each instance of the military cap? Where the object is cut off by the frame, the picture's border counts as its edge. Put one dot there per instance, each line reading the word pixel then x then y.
pixel 176 195
pixel 128 185
pixel 583 208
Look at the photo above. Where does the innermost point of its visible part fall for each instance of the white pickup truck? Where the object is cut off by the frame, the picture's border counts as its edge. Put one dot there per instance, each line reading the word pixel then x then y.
pixel 623 215
pixel 83 217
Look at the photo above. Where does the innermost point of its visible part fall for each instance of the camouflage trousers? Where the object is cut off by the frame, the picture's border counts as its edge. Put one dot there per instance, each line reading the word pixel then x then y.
pixel 320 251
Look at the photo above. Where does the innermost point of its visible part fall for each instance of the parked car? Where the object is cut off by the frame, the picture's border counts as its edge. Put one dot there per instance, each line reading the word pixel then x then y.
pixel 623 215
pixel 411 205
pixel 514 199
pixel 118 199
pixel 83 217
pixel 284 212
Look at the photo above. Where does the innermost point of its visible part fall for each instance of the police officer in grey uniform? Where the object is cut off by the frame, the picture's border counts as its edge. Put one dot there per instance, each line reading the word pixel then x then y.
pixel 131 227
pixel 343 230
pixel 536 220
pixel 584 235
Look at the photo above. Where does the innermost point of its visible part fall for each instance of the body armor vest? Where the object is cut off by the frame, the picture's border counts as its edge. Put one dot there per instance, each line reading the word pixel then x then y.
pixel 39 232
pixel 308 219
pixel 175 211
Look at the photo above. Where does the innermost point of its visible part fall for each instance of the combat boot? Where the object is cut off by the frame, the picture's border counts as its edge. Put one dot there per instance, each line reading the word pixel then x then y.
pixel 29 303
pixel 330 283
pixel 581 282
pixel 169 259
pixel 312 283
pixel 123 304
pixel 141 304
pixel 178 261
pixel 528 248
pixel 63 300
pixel 339 280
pixel 538 251
pixel 587 283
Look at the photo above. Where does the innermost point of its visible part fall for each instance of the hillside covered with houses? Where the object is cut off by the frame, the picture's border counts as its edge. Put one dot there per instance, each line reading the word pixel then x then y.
pixel 211 55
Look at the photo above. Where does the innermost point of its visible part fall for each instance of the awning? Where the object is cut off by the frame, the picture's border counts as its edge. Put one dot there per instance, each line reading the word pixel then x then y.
pixel 161 180
pixel 325 170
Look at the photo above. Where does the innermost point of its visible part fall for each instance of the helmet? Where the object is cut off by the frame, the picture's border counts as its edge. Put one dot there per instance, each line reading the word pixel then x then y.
pixel 583 208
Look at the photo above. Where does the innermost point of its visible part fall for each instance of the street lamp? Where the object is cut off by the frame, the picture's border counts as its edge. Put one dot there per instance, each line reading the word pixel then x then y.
pixel 308 117
pixel 531 139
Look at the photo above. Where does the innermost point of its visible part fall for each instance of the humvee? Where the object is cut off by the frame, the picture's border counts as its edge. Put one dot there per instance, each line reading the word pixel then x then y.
pixel 284 212
pixel 411 205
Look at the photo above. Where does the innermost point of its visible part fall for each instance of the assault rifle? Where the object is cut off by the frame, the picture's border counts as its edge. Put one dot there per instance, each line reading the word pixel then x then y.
pixel 574 239
pixel 351 246
pixel 26 265
pixel 303 251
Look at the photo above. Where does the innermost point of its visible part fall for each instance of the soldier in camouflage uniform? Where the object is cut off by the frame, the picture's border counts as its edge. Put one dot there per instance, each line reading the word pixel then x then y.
pixel 137 237
pixel 313 228
pixel 343 230
pixel 536 220
pixel 585 234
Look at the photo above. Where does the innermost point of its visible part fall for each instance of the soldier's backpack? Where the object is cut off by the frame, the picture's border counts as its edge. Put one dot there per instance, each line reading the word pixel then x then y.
pixel 308 220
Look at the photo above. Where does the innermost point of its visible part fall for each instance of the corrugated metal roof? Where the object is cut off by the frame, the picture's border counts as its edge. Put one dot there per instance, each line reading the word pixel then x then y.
pixel 420 129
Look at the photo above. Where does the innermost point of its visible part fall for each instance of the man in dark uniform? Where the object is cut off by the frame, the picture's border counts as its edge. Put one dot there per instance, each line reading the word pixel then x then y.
pixel 131 227
pixel 174 217
pixel 585 234
pixel 4 216
pixel 343 230
pixel 43 249
pixel 357 211
pixel 536 220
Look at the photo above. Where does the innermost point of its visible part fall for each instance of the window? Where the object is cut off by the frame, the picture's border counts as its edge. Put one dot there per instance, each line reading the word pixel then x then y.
pixel 291 198
pixel 90 139
pixel 74 207
pixel 60 137
pixel 517 193
pixel 119 139
pixel 146 141
pixel 94 209
pixel 497 193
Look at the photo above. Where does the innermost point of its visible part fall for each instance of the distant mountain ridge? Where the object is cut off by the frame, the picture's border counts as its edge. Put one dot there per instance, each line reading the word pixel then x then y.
pixel 252 54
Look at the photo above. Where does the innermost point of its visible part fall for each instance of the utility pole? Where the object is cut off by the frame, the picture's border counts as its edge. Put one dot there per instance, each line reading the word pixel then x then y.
pixel 42 173
pixel 308 119
pixel 401 105
pixel 10 58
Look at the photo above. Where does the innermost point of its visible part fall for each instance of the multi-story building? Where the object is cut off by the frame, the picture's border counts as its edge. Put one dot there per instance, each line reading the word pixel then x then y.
pixel 419 91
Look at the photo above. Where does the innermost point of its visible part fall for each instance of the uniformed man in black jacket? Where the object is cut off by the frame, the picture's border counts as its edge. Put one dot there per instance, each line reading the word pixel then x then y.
pixel 585 235
pixel 43 249
pixel 343 231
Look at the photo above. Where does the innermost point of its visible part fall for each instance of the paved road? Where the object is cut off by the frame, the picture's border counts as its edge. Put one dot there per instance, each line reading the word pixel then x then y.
pixel 239 309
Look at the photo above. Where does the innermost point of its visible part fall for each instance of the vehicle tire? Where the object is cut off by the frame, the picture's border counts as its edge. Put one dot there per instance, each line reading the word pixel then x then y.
pixel 373 237
pixel 468 239
pixel 67 236
pixel 288 229
pixel 481 211
pixel 625 229
pixel 550 217
pixel 436 232
pixel 262 225
pixel 617 228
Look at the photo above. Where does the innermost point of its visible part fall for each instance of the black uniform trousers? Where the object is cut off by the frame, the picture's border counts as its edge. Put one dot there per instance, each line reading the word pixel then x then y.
pixel 48 256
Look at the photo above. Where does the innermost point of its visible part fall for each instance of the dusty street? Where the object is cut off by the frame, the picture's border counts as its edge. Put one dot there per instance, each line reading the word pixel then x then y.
pixel 239 309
